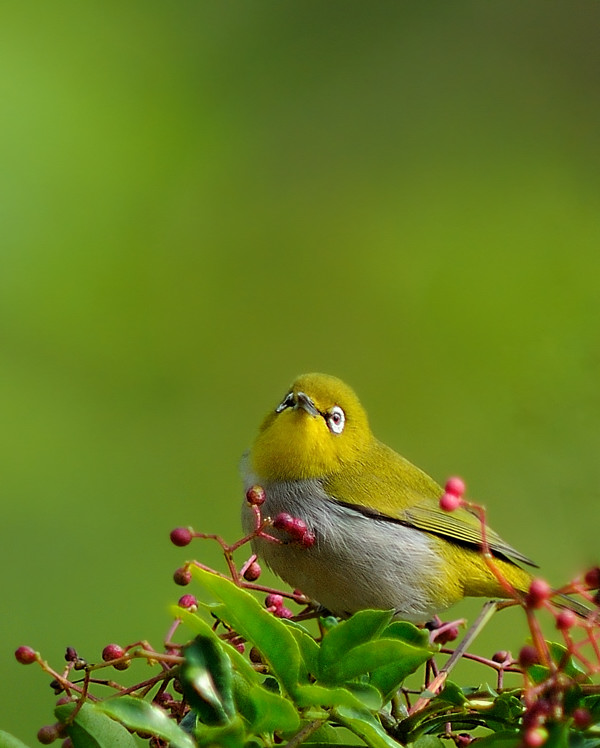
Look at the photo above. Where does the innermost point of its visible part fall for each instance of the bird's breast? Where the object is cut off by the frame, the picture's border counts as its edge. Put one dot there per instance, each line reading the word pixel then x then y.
pixel 357 561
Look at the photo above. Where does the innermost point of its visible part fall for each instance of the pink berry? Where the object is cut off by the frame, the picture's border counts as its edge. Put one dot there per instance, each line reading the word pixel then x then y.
pixel 274 601
pixel 283 612
pixel 112 652
pixel 535 737
pixel 308 539
pixel 256 496
pixel 181 536
pixel 528 656
pixel 253 572
pixel 283 521
pixel 25 655
pixel 182 576
pixel 447 635
pixel 450 502
pixel 188 602
pixel 565 620
pixel 539 592
pixel 582 718
pixel 297 528
pixel 455 486
pixel 592 578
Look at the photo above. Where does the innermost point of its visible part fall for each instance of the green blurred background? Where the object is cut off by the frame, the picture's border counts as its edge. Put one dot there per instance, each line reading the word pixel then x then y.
pixel 201 200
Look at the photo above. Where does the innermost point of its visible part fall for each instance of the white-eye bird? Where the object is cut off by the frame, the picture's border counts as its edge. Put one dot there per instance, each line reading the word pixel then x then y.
pixel 381 538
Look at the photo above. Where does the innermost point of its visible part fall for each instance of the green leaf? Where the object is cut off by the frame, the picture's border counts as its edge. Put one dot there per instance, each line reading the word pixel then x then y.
pixel 137 714
pixel 231 735
pixel 314 695
pixel 427 741
pixel 265 710
pixel 366 694
pixel 206 679
pixel 360 628
pixel 362 723
pixel 397 659
pixel 93 729
pixel 9 741
pixel 388 678
pixel 309 649
pixel 409 633
pixel 269 634
pixel 503 739
pixel 507 708
pixel 453 694
pixel 201 627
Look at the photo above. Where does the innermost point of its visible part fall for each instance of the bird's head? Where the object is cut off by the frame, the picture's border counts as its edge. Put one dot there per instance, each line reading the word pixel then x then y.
pixel 316 429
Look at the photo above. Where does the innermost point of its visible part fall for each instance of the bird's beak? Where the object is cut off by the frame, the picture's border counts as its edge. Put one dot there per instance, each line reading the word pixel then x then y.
pixel 304 401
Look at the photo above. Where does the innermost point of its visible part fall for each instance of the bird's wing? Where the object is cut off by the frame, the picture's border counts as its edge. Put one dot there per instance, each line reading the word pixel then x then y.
pixel 461 525
pixel 387 486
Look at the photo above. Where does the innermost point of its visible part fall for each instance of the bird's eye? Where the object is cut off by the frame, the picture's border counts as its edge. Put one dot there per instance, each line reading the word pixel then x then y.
pixel 336 420
pixel 287 402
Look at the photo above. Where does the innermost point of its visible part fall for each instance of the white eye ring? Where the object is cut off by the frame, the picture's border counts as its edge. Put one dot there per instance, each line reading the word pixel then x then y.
pixel 336 420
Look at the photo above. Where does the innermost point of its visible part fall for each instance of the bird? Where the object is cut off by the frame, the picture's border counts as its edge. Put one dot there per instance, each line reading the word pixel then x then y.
pixel 379 538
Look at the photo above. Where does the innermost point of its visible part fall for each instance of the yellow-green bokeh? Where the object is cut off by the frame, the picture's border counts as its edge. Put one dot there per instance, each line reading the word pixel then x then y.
pixel 200 200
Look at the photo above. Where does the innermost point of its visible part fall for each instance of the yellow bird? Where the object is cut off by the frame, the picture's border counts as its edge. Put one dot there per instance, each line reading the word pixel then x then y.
pixel 381 539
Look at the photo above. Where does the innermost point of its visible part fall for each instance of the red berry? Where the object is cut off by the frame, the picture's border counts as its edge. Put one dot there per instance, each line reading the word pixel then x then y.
pixel 112 652
pixel 253 572
pixel 308 539
pixel 447 635
pixel 274 601
pixel 182 576
pixel 592 578
pixel 582 718
pixel 181 536
pixel 565 619
pixel 528 656
pixel 501 656
pixel 283 612
pixel 67 743
pixel 188 601
pixel 256 496
pixel 455 486
pixel 539 592
pixel 283 521
pixel 535 737
pixel 297 528
pixel 450 502
pixel 25 655
pixel 48 734
pixel 463 739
